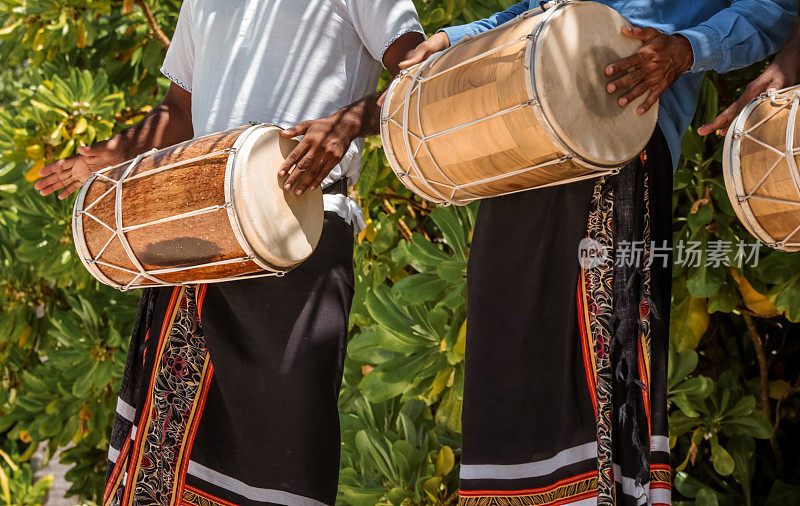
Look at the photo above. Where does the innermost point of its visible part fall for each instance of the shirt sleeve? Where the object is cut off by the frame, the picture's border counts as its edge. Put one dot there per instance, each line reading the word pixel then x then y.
pixel 179 62
pixel 381 22
pixel 740 35
pixel 456 33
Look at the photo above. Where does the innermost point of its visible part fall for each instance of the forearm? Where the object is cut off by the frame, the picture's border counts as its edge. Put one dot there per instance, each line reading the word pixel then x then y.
pixel 163 127
pixel 166 125
pixel 456 33
pixel 363 117
pixel 740 35
pixel 790 52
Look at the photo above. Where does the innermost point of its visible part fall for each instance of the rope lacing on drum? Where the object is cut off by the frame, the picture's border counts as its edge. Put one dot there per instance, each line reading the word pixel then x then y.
pixel 415 173
pixel 119 230
pixel 783 101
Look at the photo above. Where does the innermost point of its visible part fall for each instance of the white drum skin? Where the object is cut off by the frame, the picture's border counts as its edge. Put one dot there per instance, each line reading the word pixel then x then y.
pixel 498 113
pixel 207 210
pixel 760 168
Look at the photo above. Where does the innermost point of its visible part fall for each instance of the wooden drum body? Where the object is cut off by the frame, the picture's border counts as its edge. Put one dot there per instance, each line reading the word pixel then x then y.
pixel 518 107
pixel 760 165
pixel 207 210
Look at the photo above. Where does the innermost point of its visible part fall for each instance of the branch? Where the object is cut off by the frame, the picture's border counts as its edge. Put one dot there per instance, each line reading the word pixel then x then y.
pixel 413 203
pixel 401 225
pixel 763 367
pixel 151 22
pixel 746 311
pixel 453 499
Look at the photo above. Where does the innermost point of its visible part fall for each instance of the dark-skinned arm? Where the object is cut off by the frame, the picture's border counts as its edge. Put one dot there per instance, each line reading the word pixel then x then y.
pixel 167 124
pixel 739 35
pixel 326 140
pixel 784 71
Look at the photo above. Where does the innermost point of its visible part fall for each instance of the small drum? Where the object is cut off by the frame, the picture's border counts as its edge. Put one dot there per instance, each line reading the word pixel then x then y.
pixel 519 107
pixel 760 163
pixel 207 210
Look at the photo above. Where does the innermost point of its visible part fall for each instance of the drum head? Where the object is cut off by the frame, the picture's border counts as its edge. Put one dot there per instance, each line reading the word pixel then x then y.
pixel 576 43
pixel 281 228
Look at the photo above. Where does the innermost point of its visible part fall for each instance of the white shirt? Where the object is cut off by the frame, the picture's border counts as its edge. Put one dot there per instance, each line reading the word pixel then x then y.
pixel 283 62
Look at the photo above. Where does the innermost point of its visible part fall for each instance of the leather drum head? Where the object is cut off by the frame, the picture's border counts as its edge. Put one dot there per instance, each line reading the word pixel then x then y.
pixel 576 44
pixel 281 228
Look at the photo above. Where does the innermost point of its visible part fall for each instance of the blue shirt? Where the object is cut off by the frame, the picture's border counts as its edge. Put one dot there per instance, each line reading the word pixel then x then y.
pixel 725 35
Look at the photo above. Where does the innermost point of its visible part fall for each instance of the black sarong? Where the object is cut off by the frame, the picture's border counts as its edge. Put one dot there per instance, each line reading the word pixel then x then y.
pixel 565 386
pixel 230 390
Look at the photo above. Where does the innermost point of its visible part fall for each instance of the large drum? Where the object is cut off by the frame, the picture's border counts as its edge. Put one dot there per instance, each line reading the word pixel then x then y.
pixel 760 165
pixel 519 107
pixel 207 210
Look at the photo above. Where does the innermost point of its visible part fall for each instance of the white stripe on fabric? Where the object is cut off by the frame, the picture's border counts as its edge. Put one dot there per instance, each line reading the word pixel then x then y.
pixel 629 486
pixel 254 494
pixel 133 433
pixel 643 493
pixel 659 444
pixel 660 496
pixel 531 469
pixel 124 479
pixel 125 410
pixel 113 454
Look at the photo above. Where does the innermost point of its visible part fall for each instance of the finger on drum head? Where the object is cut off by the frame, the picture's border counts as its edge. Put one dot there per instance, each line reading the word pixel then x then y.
pixel 651 100
pixel 307 177
pixel 322 175
pixel 632 95
pixel 294 157
pixel 627 81
pixel 300 169
pixel 624 64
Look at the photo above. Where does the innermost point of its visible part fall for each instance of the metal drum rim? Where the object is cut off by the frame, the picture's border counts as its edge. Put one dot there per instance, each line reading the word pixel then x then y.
pixel 233 215
pixel 388 149
pixel 79 238
pixel 534 94
pixel 732 174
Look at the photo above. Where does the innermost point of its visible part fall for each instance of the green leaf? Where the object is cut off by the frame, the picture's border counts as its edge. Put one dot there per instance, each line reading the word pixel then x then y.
pixel 705 280
pixel 743 450
pixel 722 460
pixel 755 425
pixel 420 288
pixel 724 300
pixel 783 494
pixel 688 323
pixel 703 216
pixel 706 497
pixel 452 230
pixel 445 461
pixel 454 272
pixel 744 407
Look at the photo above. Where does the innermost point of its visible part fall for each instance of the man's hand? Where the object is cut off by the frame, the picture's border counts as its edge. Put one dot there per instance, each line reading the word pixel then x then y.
pixel 70 173
pixel 438 42
pixel 781 73
pixel 653 68
pixel 325 142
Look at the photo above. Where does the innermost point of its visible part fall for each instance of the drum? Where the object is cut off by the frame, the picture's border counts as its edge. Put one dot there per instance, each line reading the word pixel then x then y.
pixel 207 210
pixel 760 160
pixel 519 107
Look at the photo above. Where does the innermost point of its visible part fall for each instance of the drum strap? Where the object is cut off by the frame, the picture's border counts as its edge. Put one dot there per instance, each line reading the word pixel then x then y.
pixel 338 187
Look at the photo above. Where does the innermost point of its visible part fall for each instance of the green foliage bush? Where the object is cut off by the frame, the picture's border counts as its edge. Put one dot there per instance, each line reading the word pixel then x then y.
pixel 79 70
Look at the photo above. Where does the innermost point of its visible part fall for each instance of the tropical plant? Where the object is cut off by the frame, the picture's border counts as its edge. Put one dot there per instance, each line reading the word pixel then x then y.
pixel 79 70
